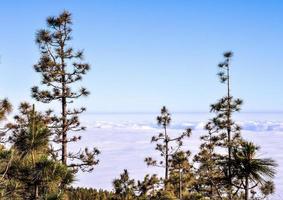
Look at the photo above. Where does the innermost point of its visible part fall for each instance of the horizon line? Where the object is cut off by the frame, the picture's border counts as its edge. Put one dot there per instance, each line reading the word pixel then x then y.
pixel 183 112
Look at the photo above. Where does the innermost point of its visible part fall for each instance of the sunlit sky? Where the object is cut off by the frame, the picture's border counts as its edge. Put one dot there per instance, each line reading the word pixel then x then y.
pixel 149 53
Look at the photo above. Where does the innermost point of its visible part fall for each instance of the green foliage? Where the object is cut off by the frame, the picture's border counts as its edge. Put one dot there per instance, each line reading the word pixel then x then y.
pixel 253 170
pixel 182 176
pixel 165 195
pixel 267 188
pixel 124 187
pixel 148 187
pixel 88 194
pixel 27 168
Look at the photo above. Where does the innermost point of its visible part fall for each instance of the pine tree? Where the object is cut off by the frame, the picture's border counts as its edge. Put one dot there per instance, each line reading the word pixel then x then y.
pixel 9 187
pixel 30 137
pixel 31 165
pixel 250 169
pixel 209 181
pixel 181 177
pixel 148 187
pixel 124 187
pixel 61 67
pixel 164 143
pixel 228 131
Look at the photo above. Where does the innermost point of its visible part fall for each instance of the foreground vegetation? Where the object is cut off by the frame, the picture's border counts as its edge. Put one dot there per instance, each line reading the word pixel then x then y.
pixel 35 162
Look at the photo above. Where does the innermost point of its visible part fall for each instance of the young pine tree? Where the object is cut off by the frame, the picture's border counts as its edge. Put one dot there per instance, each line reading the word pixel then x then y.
pixel 8 187
pixel 32 167
pixel 181 177
pixel 124 187
pixel 61 67
pixel 164 144
pixel 252 171
pixel 209 175
pixel 148 187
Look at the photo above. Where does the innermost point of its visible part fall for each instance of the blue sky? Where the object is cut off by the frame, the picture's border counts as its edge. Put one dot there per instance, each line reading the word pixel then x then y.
pixel 149 53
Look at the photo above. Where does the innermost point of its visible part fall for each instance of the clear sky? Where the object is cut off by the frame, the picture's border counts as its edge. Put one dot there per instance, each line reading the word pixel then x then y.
pixel 149 53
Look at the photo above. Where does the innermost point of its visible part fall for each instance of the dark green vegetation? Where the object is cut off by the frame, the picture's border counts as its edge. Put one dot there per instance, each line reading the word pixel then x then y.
pixel 35 162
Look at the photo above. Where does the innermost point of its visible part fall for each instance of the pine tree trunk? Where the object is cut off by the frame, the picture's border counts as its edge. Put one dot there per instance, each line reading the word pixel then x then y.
pixel 166 157
pixel 247 189
pixel 64 109
pixel 180 184
pixel 229 135
pixel 64 132
pixel 32 153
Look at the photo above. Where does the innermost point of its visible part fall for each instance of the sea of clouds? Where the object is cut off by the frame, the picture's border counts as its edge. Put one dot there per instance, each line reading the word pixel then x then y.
pixel 124 141
pixel 258 126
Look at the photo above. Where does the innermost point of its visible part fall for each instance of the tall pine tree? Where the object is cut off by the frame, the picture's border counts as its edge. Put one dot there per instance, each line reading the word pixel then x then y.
pixel 61 67
pixel 228 132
